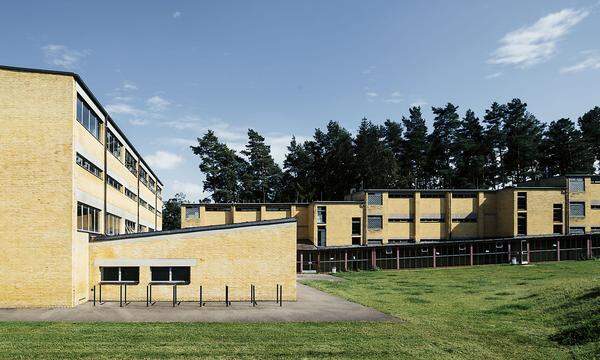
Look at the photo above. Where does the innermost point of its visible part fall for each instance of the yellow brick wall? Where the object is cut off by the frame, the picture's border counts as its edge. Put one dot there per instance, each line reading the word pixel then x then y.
pixel 338 224
pixel 540 210
pixel 36 195
pixel 236 257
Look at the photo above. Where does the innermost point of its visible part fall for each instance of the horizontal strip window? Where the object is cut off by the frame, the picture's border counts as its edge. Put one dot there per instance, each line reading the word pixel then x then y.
pixel 114 183
pixel 217 208
pixel 130 194
pixel 465 220
pixel 143 176
pixel 142 228
pixel 129 226
pixel 152 185
pixel 433 195
pixel 247 208
pixel 151 208
pixel 130 163
pixel 113 144
pixel 401 241
pixel 173 274
pixel 278 208
pixel 595 179
pixel 159 192
pixel 401 195
pixel 118 274
pixel 87 118
pixel 88 218
pixel 464 195
pixel 595 206
pixel 595 229
pixel 88 165
pixel 400 220
pixel 143 203
pixel 576 230
pixel 113 224
pixel 432 220
pixel 375 242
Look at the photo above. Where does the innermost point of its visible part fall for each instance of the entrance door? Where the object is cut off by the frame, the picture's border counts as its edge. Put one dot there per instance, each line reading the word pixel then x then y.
pixel 524 252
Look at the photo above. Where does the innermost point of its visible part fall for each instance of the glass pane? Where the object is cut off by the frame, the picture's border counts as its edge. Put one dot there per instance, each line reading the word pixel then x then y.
pixel 160 273
pixel 109 273
pixel 130 274
pixel 180 274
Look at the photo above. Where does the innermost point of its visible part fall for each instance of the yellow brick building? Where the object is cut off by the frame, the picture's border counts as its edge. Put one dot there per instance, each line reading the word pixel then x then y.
pixel 564 205
pixel 69 175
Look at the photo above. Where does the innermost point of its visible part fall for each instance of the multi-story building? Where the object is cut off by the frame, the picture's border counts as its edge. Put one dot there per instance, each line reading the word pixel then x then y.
pixel 67 171
pixel 563 205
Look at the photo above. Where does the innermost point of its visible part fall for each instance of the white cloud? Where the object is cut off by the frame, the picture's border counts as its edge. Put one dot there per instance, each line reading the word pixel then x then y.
pixel 371 94
pixel 493 75
pixel 60 55
pixel 590 62
pixel 157 103
pixel 395 98
pixel 418 103
pixel 193 191
pixel 176 14
pixel 164 160
pixel 124 109
pixel 368 70
pixel 129 86
pixel 138 122
pixel 536 43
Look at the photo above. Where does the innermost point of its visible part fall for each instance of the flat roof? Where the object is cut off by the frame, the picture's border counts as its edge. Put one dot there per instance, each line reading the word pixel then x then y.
pixel 244 204
pixel 94 99
pixel 101 238
pixel 426 190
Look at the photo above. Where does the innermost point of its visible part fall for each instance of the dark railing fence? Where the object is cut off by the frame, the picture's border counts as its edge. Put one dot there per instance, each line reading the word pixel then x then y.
pixel 450 253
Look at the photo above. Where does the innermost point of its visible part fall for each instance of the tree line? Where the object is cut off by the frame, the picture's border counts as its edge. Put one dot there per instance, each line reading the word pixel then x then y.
pixel 506 145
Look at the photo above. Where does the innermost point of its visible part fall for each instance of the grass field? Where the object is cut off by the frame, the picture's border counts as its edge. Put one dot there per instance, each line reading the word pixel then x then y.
pixel 546 311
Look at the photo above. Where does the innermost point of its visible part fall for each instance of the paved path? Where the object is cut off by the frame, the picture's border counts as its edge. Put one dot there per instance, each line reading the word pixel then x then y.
pixel 312 306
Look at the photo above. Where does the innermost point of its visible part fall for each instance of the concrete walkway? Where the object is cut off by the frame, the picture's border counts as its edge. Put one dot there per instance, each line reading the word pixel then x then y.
pixel 312 306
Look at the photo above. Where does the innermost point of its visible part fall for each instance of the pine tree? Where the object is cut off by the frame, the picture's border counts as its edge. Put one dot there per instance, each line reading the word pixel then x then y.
pixel 442 152
pixel 494 140
pixel 564 151
pixel 171 212
pixel 589 124
pixel 470 153
pixel 523 138
pixel 375 163
pixel 221 166
pixel 416 148
pixel 262 178
pixel 394 141
pixel 297 180
pixel 338 161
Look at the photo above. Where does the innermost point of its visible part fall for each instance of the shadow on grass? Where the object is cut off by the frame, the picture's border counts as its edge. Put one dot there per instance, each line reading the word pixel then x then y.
pixel 580 324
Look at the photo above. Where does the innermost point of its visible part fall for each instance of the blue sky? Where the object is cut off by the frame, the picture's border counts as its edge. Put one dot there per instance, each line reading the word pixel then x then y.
pixel 169 70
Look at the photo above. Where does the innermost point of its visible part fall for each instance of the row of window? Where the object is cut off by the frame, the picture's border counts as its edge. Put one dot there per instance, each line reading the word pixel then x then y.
pixel 88 165
pixel 114 183
pixel 88 219
pixel 131 274
pixel 87 118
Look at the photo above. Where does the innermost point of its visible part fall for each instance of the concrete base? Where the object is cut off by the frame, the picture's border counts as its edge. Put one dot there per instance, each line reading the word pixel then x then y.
pixel 312 306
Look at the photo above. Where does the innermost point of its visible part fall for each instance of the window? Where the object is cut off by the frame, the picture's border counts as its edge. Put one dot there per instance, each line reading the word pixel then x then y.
pixel 356 228
pixel 113 224
pixel 576 230
pixel 522 224
pixel 557 229
pixel 433 195
pixel 576 185
pixel 321 215
pixel 88 165
pixel 278 208
pixel 88 118
pixel 247 208
pixel 465 195
pixel 321 236
pixel 595 179
pixel 151 184
pixel 159 192
pixel 151 208
pixel 436 219
pixel 150 229
pixel 173 274
pixel 595 205
pixel 143 176
pixel 142 228
pixel 217 208
pixel 143 203
pixel 88 218
pixel 521 201
pixel 400 220
pixel 468 219
pixel 577 209
pixel 128 274
pixel 375 242
pixel 557 213
pixel 374 222
pixel 374 199
pixel 596 229
pixel 356 241
pixel 130 162
pixel 129 226
pixel 401 195
pixel 114 183
pixel 192 212
pixel 113 144
pixel 130 194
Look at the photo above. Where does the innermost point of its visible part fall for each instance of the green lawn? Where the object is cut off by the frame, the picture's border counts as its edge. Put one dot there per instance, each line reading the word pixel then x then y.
pixel 546 311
